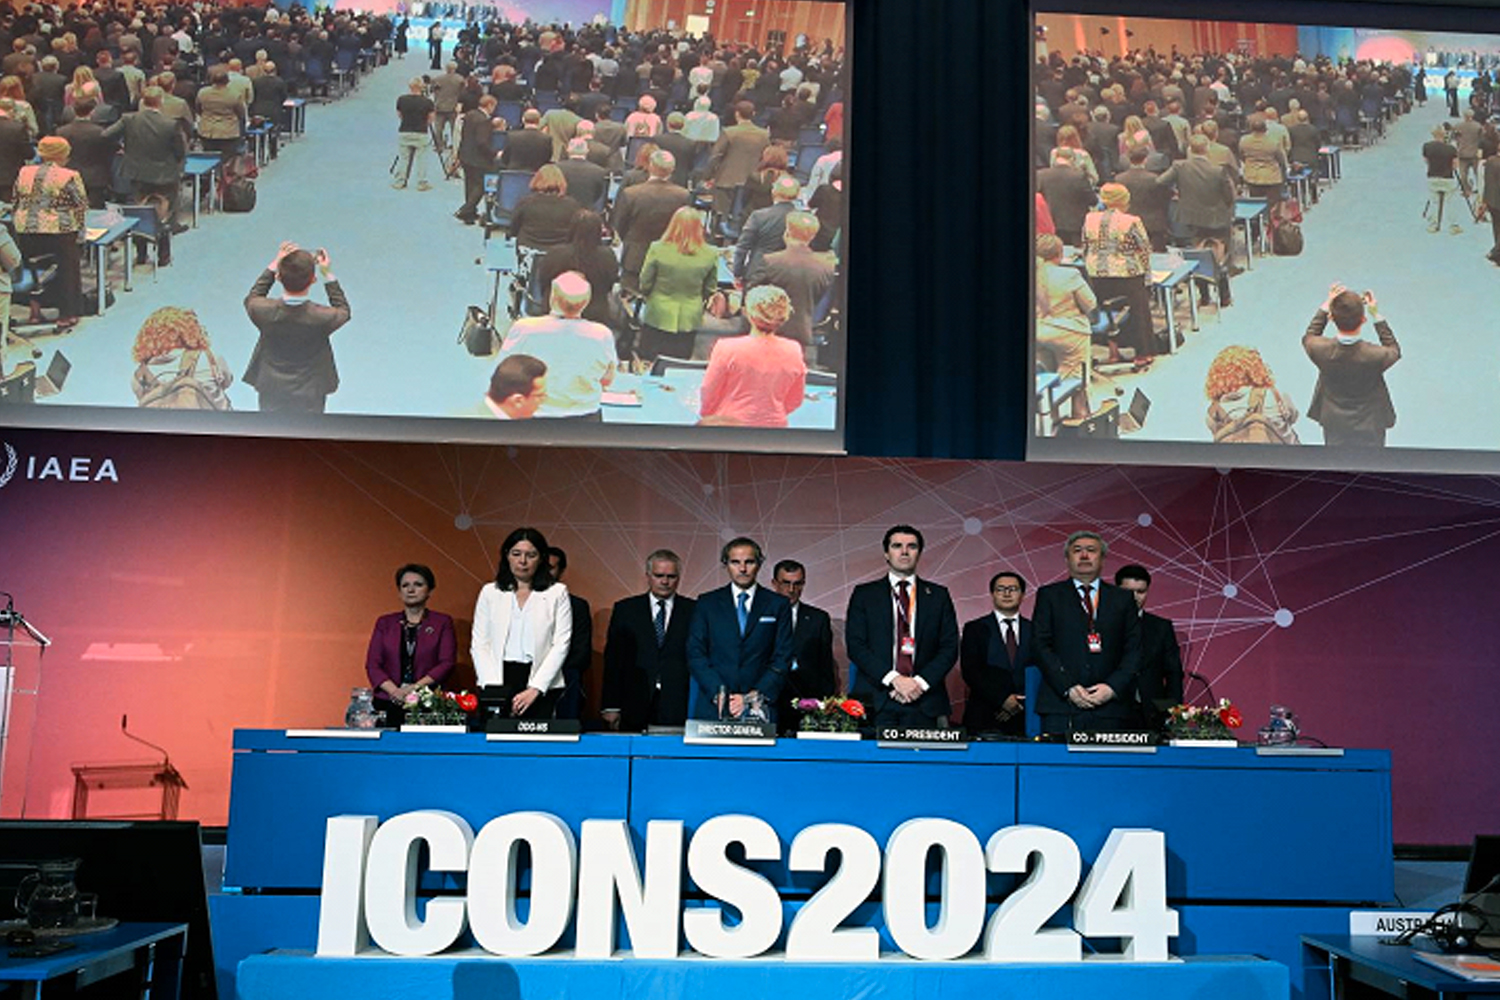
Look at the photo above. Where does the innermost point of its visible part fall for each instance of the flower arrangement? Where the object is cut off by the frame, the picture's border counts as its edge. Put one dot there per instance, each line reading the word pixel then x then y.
pixel 830 715
pixel 1205 722
pixel 432 706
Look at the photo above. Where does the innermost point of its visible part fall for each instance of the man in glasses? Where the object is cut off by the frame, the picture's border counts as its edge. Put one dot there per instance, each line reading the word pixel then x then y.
pixel 993 656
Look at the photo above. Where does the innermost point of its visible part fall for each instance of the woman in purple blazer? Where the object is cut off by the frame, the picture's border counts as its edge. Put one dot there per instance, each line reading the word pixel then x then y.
pixel 411 648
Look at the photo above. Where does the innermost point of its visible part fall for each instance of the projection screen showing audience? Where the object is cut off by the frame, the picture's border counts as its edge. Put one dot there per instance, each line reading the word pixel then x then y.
pixel 427 221
pixel 1265 244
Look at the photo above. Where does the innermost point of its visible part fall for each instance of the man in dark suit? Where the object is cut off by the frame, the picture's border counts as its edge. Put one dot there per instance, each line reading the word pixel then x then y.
pixel 646 676
pixel 1205 201
pixel 684 150
pixel 1163 137
pixel 901 633
pixel 528 147
pixel 588 183
pixel 155 150
pixel 1489 204
pixel 993 656
pixel 476 155
pixel 580 646
pixel 47 89
pixel 1148 197
pixel 1160 678
pixel 93 153
pixel 764 231
pixel 1102 140
pixel 805 276
pixel 1351 399
pixel 1088 644
pixel 1069 196
pixel 740 640
pixel 16 150
pixel 813 673
pixel 292 365
pixel 642 212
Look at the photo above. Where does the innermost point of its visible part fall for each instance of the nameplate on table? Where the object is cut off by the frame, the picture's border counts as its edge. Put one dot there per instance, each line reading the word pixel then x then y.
pixel 336 734
pixel 1385 923
pixel 1125 741
pixel 732 733
pixel 1294 751
pixel 545 730
pixel 910 738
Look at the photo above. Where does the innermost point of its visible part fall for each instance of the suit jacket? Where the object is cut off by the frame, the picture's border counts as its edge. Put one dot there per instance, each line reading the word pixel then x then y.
pixel 588 183
pixel 476 149
pixel 991 674
pixel 270 94
pixel 736 154
pixel 526 149
pixel 1148 199
pixel 764 232
pixel 642 212
pixel 1205 193
pixel 684 151
pixel 1061 649
pixel 549 616
pixel 635 668
pixel 1305 143
pixel 1492 182
pixel 1160 678
pixel 15 150
pixel 437 648
pixel 293 353
pixel 1069 196
pixel 719 656
pixel 581 646
pixel 805 276
pixel 869 638
pixel 1351 393
pixel 221 110
pixel 814 673
pixel 93 155
pixel 155 147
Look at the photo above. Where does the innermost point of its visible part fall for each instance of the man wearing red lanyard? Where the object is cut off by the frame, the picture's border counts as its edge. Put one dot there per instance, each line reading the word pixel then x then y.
pixel 1088 644
pixel 901 633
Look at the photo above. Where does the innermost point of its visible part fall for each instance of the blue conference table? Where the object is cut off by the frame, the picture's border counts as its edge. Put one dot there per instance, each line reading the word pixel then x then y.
pixel 150 952
pixel 1392 970
pixel 1253 214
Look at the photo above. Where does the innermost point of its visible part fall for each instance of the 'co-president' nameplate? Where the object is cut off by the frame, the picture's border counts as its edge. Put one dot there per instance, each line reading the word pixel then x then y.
pixel 545 730
pixel 1131 741
pixel 909 738
pixel 730 733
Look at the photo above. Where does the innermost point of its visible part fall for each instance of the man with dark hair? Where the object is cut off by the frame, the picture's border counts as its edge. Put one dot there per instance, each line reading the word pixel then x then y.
pixel 993 656
pixel 901 634
pixel 646 677
pixel 476 154
pixel 93 153
pixel 1441 156
pixel 414 111
pixel 580 646
pixel 740 640
pixel 1158 686
pixel 292 364
pixel 1351 399
pixel 1088 644
pixel 813 673
pixel 517 388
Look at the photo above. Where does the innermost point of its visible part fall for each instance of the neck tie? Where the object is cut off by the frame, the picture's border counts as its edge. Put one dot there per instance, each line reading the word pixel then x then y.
pixel 661 623
pixel 1086 595
pixel 1010 641
pixel 903 629
pixel 744 610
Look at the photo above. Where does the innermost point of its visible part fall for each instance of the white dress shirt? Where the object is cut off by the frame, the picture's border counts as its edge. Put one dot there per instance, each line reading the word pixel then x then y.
pixel 894 579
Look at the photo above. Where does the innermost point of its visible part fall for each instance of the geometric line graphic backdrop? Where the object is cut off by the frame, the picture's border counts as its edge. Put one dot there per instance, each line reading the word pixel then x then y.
pixel 227 583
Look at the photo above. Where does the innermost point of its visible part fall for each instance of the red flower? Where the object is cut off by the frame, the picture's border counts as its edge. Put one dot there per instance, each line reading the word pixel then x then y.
pixel 853 708
pixel 1231 717
pixel 468 702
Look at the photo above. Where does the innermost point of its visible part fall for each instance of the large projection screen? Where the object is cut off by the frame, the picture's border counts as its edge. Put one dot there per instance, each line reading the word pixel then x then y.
pixel 1253 372
pixel 699 361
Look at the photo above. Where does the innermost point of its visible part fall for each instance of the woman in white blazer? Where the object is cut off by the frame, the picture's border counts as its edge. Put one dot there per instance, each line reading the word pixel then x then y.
pixel 523 623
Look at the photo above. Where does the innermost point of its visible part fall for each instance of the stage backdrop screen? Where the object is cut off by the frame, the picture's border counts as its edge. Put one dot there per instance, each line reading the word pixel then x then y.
pixel 1267 243
pixel 641 242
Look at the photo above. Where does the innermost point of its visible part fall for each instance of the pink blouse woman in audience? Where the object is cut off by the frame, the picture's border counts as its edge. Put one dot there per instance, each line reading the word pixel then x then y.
pixel 1064 303
pixel 1117 259
pixel 757 379
pixel 643 120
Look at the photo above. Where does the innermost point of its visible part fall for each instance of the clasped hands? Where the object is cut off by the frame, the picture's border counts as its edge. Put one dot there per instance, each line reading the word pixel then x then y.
pixel 906 689
pixel 737 703
pixel 1090 697
pixel 521 702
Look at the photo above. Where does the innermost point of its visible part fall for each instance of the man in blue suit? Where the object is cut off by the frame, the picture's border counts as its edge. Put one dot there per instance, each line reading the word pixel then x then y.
pixel 740 641
pixel 993 656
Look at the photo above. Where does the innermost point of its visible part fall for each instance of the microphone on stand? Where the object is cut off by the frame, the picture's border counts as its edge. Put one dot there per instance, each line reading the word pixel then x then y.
pixel 1207 687
pixel 166 758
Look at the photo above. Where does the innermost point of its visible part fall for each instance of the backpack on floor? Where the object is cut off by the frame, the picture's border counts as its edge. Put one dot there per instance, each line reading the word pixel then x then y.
pixel 1286 240
pixel 239 183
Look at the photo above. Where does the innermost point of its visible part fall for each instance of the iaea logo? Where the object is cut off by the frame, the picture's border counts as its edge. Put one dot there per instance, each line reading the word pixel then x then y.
pixel 72 469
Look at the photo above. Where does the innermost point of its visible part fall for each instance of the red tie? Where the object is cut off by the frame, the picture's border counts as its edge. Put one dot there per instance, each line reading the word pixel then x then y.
pixel 903 629
pixel 1010 641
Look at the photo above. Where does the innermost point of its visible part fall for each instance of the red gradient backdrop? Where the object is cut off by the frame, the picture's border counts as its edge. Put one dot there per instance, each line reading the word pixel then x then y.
pixel 1070 33
pixel 224 583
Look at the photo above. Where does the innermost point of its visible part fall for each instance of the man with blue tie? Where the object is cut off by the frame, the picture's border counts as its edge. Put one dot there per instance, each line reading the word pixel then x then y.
pixel 1088 644
pixel 740 641
pixel 902 634
pixel 993 656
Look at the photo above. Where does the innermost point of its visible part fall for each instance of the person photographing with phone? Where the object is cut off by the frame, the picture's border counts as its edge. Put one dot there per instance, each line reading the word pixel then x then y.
pixel 1351 400
pixel 292 366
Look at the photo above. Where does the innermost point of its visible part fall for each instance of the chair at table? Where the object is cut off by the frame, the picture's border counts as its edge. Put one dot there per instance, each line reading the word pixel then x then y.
pixel 316 75
pixel 29 280
pixel 546 102
pixel 148 227
pixel 662 365
pixel 810 135
pixel 727 227
pixel 503 191
pixel 1207 274
pixel 633 147
pixel 806 157
pixel 343 69
pixel 619 112
pixel 511 111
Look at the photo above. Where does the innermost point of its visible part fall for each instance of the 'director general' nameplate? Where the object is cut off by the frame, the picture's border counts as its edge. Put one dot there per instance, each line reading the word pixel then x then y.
pixel 1132 741
pixel 730 733
pixel 909 737
pixel 550 730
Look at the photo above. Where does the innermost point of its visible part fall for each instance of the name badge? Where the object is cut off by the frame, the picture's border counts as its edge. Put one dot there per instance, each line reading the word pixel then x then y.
pixel 908 646
pixel 1095 645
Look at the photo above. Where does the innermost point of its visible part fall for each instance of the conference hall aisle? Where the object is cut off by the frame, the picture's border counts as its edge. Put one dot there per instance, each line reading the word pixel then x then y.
pixel 1437 291
pixel 407 266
